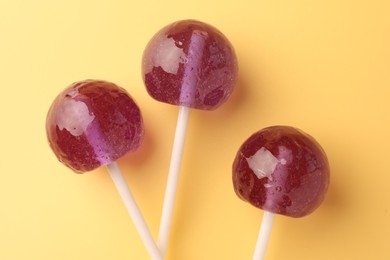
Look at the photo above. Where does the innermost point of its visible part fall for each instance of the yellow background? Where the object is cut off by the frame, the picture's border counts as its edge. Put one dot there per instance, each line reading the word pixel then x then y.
pixel 322 66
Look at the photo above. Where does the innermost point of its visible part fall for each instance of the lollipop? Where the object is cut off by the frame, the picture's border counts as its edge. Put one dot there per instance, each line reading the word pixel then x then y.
pixel 190 64
pixel 93 123
pixel 281 170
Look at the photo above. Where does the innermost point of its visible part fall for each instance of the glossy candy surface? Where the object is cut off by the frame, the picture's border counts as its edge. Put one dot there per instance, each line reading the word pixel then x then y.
pixel 282 170
pixel 93 123
pixel 190 63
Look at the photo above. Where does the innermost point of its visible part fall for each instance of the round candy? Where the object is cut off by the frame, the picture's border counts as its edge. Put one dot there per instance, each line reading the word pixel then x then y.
pixel 282 170
pixel 190 63
pixel 93 123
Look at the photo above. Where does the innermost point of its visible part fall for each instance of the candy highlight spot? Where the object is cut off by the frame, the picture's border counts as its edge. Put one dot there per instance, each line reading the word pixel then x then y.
pixel 262 163
pixel 74 116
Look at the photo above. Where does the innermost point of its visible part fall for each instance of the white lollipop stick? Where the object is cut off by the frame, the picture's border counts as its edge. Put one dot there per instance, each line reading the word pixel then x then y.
pixel 134 211
pixel 173 178
pixel 265 231
pixel 187 95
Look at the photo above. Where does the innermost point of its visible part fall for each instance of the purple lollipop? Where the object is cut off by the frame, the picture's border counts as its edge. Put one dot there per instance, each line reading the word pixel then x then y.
pixel 281 170
pixel 193 65
pixel 93 123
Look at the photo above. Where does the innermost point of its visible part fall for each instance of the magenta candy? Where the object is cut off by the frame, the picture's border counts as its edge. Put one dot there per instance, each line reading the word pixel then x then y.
pixel 282 170
pixel 93 123
pixel 190 63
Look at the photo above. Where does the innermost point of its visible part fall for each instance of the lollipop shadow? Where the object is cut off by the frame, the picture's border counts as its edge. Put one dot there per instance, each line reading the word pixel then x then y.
pixel 335 208
pixel 337 203
pixel 334 202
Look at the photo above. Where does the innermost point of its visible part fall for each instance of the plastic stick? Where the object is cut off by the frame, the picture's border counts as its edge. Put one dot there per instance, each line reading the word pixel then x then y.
pixel 173 178
pixel 134 211
pixel 264 234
